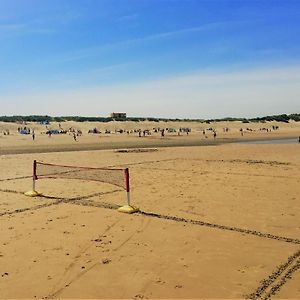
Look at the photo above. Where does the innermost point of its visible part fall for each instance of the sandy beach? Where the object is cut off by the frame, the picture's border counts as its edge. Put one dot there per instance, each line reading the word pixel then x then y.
pixel 16 143
pixel 220 221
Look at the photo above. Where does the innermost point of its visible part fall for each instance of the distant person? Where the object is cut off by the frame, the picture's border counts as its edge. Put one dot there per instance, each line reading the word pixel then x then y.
pixel 74 137
pixel 162 133
pixel 215 134
pixel 33 136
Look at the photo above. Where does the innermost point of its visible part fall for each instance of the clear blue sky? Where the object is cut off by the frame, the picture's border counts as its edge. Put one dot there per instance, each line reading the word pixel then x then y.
pixel 164 58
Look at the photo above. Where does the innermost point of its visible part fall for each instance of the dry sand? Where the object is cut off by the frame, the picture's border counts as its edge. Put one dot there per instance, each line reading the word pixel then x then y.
pixel 220 221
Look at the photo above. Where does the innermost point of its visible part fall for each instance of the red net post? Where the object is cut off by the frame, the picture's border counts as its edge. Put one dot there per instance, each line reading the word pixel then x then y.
pixel 127 186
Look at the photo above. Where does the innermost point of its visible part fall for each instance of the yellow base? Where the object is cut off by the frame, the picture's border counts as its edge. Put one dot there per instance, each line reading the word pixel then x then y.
pixel 128 209
pixel 32 194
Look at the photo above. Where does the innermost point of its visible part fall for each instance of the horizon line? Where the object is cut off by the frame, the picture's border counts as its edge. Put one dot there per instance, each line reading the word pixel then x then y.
pixel 128 118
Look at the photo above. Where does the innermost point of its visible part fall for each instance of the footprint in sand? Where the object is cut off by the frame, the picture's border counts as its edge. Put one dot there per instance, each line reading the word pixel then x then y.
pixel 106 261
pixel 160 281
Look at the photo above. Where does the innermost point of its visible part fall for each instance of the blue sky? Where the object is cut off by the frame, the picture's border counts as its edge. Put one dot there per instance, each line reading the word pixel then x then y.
pixel 163 58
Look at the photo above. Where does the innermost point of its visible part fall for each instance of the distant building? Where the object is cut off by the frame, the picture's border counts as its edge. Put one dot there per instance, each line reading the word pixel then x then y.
pixel 118 115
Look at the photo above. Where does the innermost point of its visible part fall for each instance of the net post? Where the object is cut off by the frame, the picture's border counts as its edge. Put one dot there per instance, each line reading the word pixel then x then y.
pixel 127 186
pixel 33 192
pixel 127 208
pixel 34 177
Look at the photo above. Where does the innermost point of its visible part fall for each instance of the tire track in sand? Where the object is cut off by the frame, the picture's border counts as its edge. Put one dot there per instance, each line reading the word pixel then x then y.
pixel 283 273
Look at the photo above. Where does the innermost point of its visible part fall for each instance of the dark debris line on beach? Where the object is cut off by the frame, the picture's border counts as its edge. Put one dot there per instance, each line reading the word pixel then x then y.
pixel 222 227
pixel 80 201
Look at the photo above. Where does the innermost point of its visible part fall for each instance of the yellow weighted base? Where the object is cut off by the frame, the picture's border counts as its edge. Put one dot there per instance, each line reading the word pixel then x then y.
pixel 128 209
pixel 32 194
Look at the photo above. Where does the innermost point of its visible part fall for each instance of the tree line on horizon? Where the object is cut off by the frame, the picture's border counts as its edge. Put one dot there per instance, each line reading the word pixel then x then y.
pixel 45 118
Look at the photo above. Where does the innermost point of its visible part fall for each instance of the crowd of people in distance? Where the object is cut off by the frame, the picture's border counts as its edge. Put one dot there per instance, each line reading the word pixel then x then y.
pixel 71 131
pixel 242 130
pixel 24 130
pixel 49 131
pixel 141 132
pixel 170 131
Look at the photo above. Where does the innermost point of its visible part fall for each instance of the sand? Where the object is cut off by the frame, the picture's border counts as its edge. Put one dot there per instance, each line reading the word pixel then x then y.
pixel 220 221
pixel 17 143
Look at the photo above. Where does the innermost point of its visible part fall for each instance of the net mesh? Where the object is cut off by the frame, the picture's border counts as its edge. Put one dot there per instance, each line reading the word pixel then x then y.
pixel 112 176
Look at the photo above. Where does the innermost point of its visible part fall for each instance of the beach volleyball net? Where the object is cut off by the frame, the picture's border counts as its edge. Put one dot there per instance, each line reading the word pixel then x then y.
pixel 115 176
pixel 118 177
